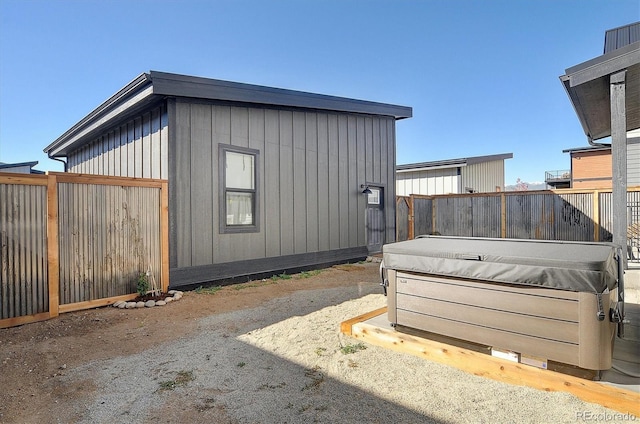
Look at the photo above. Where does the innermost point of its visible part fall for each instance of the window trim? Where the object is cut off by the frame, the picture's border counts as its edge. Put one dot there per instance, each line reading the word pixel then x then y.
pixel 222 186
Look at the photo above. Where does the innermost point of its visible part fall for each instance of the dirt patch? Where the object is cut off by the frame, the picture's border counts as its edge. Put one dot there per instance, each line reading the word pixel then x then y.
pixel 34 358
pixel 264 351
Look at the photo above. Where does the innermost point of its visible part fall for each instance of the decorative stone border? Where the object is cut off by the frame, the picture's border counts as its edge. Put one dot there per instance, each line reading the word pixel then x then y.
pixel 173 295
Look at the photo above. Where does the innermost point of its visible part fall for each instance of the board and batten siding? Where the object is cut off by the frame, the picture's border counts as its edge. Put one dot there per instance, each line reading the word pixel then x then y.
pixel 136 148
pixel 428 182
pixel 310 166
pixel 483 177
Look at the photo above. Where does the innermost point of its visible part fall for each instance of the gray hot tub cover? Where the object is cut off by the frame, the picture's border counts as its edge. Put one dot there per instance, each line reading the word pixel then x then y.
pixel 573 266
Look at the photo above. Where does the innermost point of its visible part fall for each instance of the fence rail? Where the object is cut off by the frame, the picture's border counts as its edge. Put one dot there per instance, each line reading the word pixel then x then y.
pixel 569 214
pixel 73 241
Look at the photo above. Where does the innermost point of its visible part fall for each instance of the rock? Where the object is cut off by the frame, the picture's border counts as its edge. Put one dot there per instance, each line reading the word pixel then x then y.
pixel 139 304
pixel 172 292
pixel 150 303
pixel 168 299
pixel 130 305
pixel 118 303
pixel 177 296
pixel 122 305
pixel 161 303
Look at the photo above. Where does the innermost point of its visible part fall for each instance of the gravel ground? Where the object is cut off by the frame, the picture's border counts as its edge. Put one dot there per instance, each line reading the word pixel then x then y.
pixel 284 361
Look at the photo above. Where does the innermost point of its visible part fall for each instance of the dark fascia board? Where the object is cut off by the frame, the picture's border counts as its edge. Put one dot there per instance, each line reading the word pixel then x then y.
pixel 16 165
pixel 604 65
pixel 206 88
pixel 450 163
pixel 147 88
pixel 586 149
pixel 587 86
pixel 130 97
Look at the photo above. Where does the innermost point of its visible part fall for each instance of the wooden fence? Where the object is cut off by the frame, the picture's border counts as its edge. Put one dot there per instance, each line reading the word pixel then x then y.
pixel 71 241
pixel 571 214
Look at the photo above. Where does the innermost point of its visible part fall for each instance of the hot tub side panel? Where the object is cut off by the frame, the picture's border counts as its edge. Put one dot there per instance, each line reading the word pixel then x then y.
pixel 558 325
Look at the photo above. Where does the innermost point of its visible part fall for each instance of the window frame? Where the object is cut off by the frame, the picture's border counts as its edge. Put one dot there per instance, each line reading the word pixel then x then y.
pixel 225 228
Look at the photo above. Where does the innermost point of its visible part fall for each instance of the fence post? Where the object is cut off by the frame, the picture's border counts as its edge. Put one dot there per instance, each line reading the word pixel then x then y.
pixel 53 250
pixel 433 215
pixel 164 234
pixel 411 233
pixel 503 215
pixel 596 215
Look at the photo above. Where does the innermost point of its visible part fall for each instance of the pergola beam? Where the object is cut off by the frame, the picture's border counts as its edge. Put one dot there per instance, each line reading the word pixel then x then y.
pixel 617 87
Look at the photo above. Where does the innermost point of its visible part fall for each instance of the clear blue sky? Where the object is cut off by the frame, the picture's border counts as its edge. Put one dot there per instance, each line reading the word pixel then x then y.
pixel 481 76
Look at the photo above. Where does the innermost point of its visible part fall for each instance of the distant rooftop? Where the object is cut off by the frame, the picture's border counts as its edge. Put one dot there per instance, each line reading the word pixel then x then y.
pixel 621 36
pixel 450 163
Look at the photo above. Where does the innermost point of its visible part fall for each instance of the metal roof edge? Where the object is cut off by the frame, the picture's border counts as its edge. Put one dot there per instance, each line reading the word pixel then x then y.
pixel 586 149
pixel 605 64
pixel 15 165
pixel 170 84
pixel 449 163
pixel 95 117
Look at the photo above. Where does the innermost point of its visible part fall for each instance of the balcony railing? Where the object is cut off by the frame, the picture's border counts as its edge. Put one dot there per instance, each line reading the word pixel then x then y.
pixel 564 174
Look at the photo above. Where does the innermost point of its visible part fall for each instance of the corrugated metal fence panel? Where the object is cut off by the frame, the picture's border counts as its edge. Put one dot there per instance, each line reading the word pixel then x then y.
pixel 23 250
pixel 606 216
pixel 108 235
pixel 402 217
pixel 573 216
pixel 422 216
pixel 453 216
pixel 550 216
pixel 486 215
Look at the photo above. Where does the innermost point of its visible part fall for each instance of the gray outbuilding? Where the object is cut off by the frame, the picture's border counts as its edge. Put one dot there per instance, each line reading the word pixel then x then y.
pixel 261 180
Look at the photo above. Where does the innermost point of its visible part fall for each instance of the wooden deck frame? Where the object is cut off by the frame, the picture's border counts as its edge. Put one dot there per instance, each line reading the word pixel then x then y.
pixel 483 365
pixel 51 181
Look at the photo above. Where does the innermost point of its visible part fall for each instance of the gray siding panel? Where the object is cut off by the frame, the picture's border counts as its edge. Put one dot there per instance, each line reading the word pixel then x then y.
pixel 361 179
pixel 311 136
pixel 202 180
pixel 137 148
pixel 310 165
pixel 333 200
pixel 299 184
pixel 271 212
pixel 324 173
pixel 182 185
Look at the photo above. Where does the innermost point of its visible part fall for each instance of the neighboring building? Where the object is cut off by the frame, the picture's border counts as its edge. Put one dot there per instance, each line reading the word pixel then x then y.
pixel 605 94
pixel 479 174
pixel 591 166
pixel 20 168
pixel 261 179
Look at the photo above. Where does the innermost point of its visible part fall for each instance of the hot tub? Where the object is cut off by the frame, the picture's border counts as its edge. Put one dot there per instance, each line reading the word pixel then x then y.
pixel 547 299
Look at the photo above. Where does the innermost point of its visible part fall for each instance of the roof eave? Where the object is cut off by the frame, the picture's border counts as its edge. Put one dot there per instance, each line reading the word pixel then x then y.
pixel 168 84
pixel 590 80
pixel 136 91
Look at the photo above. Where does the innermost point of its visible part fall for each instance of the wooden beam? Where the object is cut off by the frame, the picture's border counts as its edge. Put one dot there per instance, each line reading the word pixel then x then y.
pixel 164 236
pixel 25 179
pixel 26 319
pixel 97 303
pixel 619 158
pixel 498 369
pixel 346 326
pixel 53 259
